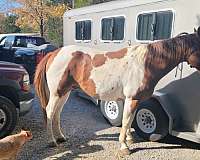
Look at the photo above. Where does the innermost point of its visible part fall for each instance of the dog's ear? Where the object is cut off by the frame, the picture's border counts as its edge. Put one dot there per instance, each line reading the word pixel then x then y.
pixel 195 30
pixel 29 134
pixel 23 129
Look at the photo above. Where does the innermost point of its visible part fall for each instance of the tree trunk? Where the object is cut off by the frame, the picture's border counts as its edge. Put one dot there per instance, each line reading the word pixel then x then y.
pixel 41 20
pixel 42 27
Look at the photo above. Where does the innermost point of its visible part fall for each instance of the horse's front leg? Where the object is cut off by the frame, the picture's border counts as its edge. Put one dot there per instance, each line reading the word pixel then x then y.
pixel 129 137
pixel 51 109
pixel 126 123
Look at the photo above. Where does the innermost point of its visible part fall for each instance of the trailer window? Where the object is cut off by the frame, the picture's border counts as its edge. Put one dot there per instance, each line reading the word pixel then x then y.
pixel 154 26
pixel 112 28
pixel 83 30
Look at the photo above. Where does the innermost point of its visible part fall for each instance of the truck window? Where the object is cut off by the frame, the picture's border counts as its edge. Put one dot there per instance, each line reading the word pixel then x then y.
pixel 112 28
pixel 154 25
pixel 22 41
pixel 83 30
pixel 8 41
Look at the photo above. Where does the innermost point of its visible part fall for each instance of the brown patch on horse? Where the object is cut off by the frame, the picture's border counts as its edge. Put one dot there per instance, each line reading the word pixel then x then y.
pixel 99 60
pixel 117 54
pixel 78 72
pixel 81 74
pixel 67 81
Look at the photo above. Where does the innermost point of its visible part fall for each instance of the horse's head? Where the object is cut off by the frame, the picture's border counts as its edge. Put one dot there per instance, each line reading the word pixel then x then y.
pixel 194 55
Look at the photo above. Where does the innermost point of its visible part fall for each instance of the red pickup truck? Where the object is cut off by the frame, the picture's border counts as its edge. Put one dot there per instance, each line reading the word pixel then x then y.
pixel 16 98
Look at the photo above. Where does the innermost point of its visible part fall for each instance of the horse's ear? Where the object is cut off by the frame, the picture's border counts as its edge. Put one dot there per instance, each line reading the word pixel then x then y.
pixel 195 30
pixel 198 31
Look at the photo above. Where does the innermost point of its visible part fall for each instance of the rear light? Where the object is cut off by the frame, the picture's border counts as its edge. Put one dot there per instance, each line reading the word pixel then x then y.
pixel 26 82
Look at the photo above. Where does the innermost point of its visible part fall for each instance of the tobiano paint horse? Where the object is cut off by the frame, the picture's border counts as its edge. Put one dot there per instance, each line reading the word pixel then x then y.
pixel 130 74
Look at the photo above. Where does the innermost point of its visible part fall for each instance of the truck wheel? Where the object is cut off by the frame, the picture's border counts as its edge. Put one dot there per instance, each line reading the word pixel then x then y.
pixel 8 116
pixel 113 111
pixel 151 121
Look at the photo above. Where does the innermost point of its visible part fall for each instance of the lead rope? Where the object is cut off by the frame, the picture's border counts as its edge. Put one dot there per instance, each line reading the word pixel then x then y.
pixel 180 69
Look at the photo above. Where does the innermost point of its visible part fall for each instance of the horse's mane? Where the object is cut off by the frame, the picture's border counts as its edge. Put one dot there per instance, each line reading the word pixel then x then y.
pixel 173 49
pixel 138 52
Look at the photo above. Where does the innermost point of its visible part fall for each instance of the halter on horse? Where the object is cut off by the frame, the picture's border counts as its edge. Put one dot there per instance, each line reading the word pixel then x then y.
pixel 130 74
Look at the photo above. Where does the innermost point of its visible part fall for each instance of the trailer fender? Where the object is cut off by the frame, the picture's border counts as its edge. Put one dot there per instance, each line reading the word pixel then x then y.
pixel 164 100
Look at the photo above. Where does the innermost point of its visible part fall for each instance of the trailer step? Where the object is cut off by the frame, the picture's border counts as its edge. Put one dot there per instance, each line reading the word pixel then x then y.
pixel 191 136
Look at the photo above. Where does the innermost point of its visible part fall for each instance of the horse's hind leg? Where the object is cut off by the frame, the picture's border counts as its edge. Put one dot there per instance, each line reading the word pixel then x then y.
pixel 56 120
pixel 51 109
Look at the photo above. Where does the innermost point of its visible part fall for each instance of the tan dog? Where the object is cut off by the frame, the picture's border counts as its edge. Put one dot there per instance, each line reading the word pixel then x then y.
pixel 10 146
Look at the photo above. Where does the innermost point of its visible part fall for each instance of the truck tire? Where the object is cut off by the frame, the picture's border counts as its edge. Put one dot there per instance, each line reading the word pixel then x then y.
pixel 8 116
pixel 113 111
pixel 151 122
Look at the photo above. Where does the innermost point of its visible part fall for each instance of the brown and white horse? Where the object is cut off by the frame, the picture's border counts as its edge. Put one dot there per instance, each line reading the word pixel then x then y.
pixel 130 74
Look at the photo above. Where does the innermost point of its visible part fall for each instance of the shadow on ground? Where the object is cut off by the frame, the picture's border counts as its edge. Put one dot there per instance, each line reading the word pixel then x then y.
pixel 80 120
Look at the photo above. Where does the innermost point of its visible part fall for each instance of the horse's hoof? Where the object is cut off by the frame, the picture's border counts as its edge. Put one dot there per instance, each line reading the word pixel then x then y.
pixel 61 140
pixel 52 144
pixel 155 137
pixel 129 142
pixel 124 152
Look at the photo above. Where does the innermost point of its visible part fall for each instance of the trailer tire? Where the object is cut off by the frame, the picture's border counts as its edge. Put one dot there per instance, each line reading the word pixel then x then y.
pixel 113 111
pixel 151 122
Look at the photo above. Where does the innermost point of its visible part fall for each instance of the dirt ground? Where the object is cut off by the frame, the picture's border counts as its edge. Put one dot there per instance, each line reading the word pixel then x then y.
pixel 92 138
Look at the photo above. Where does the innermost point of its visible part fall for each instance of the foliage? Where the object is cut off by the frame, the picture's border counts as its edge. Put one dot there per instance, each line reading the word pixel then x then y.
pixel 55 31
pixel 27 29
pixel 2 18
pixel 35 13
pixel 100 1
pixel 82 3
pixel 8 24
pixel 59 1
pixel 44 16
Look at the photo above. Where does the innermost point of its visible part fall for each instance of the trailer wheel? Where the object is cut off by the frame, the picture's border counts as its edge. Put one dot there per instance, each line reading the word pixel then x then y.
pixel 151 122
pixel 8 117
pixel 112 111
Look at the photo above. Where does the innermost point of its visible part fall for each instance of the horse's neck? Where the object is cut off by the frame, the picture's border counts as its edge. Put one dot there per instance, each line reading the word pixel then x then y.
pixel 162 57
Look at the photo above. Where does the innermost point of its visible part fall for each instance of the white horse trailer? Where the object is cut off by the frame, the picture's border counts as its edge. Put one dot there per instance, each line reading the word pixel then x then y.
pixel 174 107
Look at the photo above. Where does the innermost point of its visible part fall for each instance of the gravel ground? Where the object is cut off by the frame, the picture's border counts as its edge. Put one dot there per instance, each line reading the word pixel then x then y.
pixel 92 138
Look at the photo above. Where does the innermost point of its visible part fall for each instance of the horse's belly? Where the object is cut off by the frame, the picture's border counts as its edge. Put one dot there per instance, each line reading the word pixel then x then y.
pixel 109 88
pixel 109 94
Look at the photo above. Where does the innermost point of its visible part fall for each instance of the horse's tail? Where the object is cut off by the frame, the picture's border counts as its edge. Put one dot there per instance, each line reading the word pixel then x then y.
pixel 40 84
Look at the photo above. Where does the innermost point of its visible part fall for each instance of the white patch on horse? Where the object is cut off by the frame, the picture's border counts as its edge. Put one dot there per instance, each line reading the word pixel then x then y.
pixel 120 78
pixel 57 68
pixel 135 70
